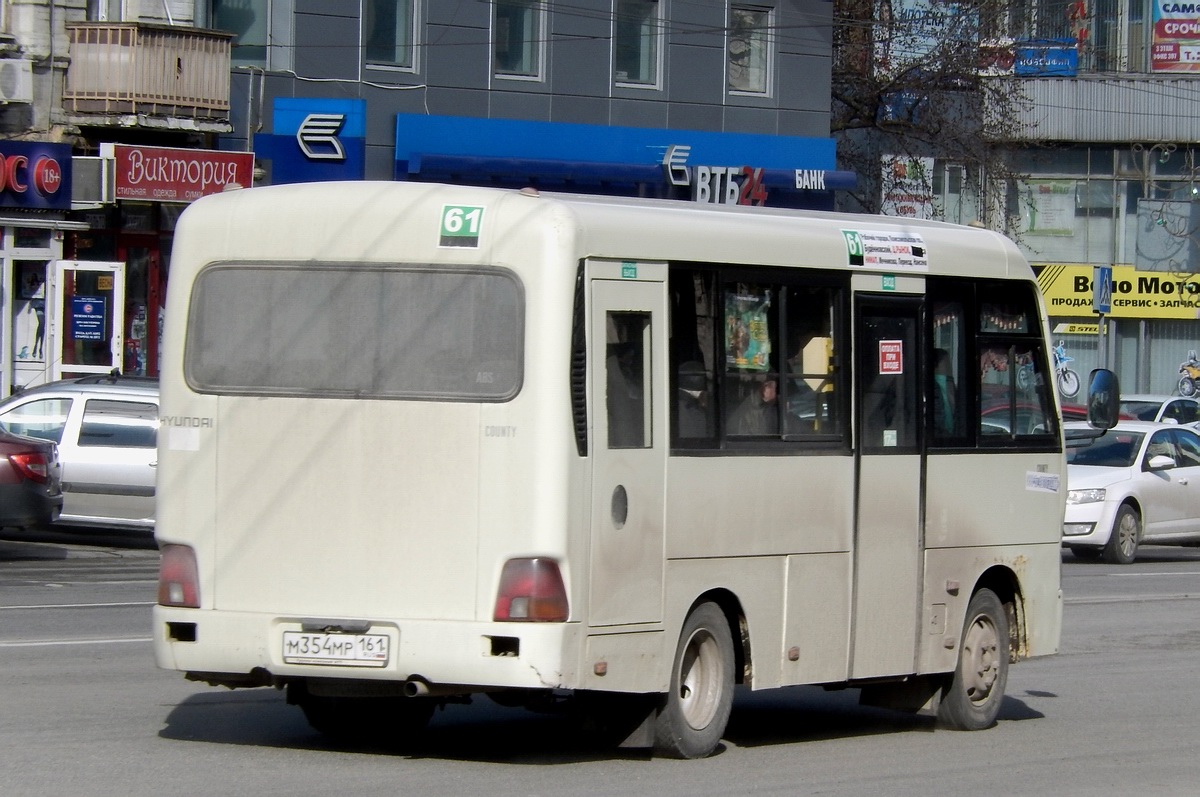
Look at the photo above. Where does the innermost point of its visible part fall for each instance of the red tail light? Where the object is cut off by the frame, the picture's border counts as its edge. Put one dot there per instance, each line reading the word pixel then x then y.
pixel 178 579
pixel 531 591
pixel 32 466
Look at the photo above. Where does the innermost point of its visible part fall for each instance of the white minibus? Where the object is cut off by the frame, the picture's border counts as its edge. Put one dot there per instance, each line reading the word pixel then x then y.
pixel 422 442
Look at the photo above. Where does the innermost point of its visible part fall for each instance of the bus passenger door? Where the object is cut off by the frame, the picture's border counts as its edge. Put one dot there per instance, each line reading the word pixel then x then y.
pixel 627 362
pixel 887 538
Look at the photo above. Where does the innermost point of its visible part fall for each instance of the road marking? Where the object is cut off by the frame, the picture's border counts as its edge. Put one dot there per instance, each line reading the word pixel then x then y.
pixel 76 605
pixel 46 643
pixel 1173 573
pixel 1134 598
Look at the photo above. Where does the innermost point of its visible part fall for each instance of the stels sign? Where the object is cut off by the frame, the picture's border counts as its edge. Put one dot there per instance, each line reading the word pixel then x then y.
pixel 35 175
pixel 163 174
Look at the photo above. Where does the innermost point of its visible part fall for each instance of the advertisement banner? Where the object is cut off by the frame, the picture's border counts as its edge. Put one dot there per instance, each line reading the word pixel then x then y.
pixel 35 175
pixel 746 330
pixel 163 174
pixel 907 187
pixel 315 139
pixel 1048 207
pixel 1069 291
pixel 1175 38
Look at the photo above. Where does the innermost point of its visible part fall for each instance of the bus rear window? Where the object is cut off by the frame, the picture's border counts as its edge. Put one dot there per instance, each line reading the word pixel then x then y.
pixel 339 330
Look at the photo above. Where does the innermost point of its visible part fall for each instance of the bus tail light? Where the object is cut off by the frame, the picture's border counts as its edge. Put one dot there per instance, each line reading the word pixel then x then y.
pixel 178 579
pixel 531 591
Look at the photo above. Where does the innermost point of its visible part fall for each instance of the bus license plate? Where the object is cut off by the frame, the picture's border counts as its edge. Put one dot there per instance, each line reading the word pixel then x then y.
pixel 345 650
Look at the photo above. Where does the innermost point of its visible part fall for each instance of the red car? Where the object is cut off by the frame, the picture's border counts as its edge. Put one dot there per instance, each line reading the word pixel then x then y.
pixel 30 481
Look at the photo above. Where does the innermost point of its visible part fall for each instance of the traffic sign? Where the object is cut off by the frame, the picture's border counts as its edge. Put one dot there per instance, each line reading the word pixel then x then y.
pixel 1102 282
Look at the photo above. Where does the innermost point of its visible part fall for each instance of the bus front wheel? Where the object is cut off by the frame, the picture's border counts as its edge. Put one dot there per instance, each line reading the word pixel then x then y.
pixel 972 699
pixel 693 716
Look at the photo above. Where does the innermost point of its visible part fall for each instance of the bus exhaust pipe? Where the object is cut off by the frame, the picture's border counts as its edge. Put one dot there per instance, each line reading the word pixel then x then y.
pixel 419 687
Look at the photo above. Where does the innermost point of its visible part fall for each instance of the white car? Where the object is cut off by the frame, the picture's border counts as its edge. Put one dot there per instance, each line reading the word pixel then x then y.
pixel 106 429
pixel 1152 407
pixel 1137 483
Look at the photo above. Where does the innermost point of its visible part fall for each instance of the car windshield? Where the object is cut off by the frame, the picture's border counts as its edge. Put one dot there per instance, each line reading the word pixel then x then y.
pixel 1113 450
pixel 1142 410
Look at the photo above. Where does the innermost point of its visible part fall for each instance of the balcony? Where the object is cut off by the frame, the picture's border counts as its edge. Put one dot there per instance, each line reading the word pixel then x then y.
pixel 162 76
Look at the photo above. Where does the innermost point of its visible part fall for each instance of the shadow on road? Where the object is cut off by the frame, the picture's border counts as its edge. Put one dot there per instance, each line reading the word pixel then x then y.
pixel 487 733
pixel 64 542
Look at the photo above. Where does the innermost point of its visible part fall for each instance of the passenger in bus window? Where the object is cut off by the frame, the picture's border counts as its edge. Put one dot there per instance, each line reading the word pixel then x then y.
pixel 758 412
pixel 691 401
pixel 945 421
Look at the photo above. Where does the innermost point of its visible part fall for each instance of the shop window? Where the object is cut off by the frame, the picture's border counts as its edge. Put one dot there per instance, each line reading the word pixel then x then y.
pixel 388 31
pixel 1095 198
pixel 31 238
pixel 637 29
pixel 749 49
pixel 517 38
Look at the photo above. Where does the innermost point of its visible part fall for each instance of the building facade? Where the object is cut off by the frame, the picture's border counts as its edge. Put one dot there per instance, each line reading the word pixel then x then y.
pixel 1100 147
pixel 714 101
pixel 95 95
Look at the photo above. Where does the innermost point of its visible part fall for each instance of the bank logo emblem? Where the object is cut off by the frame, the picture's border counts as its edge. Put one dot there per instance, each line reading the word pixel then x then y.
pixel 318 136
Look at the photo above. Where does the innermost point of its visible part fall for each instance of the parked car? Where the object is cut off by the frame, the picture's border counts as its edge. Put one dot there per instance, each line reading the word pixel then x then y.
pixel 1149 407
pixel 1137 483
pixel 106 429
pixel 996 417
pixel 30 482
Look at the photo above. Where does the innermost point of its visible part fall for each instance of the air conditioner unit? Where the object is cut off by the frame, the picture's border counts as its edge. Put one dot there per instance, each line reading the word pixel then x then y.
pixel 16 80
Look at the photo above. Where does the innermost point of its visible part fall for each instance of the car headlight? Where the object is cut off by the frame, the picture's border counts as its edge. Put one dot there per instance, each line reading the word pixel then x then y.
pixel 1076 529
pixel 1085 496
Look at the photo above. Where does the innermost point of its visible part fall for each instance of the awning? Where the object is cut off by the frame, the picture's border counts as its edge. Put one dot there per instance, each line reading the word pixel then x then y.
pixel 434 167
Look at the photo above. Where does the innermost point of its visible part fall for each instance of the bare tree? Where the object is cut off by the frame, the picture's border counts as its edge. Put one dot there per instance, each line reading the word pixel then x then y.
pixel 917 79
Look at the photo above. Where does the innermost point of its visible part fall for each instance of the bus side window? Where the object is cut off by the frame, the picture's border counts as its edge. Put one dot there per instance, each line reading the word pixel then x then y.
pixel 627 386
pixel 947 396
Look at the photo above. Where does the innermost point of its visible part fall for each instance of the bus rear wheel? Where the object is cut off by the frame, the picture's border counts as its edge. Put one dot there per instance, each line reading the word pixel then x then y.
pixel 972 699
pixel 694 714
pixel 390 722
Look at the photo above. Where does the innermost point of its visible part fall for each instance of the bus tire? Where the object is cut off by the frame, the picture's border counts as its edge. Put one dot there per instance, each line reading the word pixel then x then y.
pixel 390 722
pixel 692 718
pixel 1122 545
pixel 972 699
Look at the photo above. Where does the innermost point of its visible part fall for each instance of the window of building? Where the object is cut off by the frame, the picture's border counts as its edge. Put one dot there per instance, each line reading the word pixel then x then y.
pixel 749 49
pixel 102 10
pixel 389 33
pixel 518 28
pixel 248 21
pixel 637 27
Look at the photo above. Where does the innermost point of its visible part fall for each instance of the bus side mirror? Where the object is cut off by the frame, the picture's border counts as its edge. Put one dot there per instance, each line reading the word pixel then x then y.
pixel 1103 399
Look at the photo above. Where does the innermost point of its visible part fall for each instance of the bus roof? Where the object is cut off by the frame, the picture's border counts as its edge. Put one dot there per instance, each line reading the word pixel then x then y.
pixel 365 220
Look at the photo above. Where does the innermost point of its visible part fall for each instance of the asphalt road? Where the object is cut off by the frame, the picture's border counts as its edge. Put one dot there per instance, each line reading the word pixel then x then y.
pixel 83 711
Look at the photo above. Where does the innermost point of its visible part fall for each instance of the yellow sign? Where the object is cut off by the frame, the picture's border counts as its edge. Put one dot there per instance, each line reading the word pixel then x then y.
pixel 104 282
pixel 1067 288
pixel 1076 329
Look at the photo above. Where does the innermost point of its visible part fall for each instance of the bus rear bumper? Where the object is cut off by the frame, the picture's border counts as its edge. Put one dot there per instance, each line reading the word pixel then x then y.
pixel 248 649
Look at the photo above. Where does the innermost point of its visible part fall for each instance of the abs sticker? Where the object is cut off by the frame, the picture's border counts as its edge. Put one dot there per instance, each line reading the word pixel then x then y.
pixel 461 225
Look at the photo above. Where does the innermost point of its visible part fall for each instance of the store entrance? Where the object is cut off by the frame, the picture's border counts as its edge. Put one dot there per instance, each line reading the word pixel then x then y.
pixel 86 304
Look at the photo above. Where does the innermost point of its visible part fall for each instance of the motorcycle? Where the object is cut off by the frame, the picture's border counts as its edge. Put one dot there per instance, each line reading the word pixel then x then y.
pixel 1191 375
pixel 1068 380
